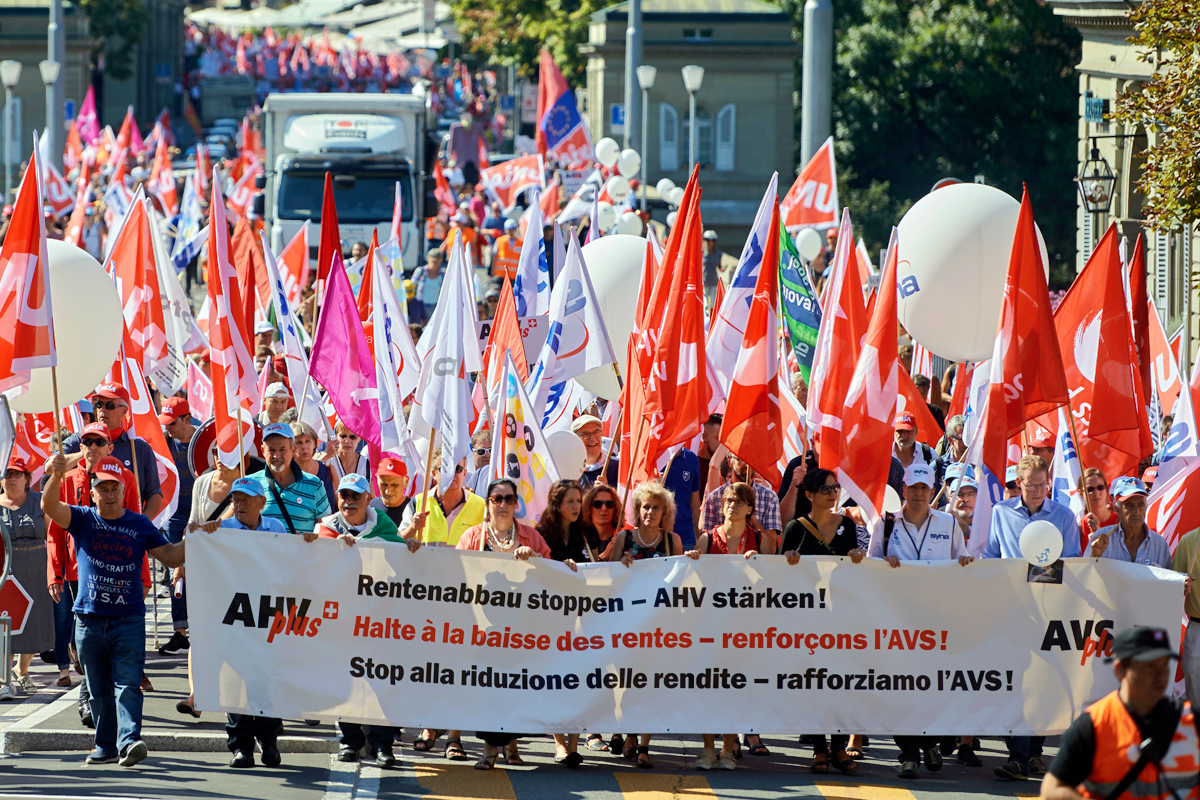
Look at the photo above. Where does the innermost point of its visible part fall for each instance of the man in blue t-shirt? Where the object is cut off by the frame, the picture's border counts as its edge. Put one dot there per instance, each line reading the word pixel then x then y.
pixel 683 480
pixel 110 614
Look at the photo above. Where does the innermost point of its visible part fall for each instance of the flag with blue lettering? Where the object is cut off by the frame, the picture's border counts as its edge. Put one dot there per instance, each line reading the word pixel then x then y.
pixel 1065 468
pixel 1182 446
pixel 531 287
pixel 801 310
pixel 519 448
pixel 190 232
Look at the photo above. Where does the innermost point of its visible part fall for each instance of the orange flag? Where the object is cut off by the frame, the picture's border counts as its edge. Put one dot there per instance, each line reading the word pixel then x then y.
pixel 365 299
pixel 504 337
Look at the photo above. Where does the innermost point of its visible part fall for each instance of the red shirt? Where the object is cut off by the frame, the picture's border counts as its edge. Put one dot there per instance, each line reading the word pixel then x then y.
pixel 75 489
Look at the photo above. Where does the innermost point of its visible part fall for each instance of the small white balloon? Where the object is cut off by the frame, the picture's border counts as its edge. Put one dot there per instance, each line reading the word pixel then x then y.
pixel 629 223
pixel 671 219
pixel 675 197
pixel 607 151
pixel 664 187
pixel 606 216
pixel 618 188
pixel 569 454
pixel 629 163
pixel 891 501
pixel 1041 543
pixel 808 244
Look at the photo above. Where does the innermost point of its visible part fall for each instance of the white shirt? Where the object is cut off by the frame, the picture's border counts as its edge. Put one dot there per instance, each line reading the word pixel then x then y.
pixel 939 538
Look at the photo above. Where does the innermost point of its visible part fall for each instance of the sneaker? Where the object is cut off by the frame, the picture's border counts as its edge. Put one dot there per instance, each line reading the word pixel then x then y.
pixel 133 754
pixel 933 758
pixel 241 760
pixel 178 643
pixel 26 683
pixel 908 770
pixel 85 716
pixel 966 755
pixel 1012 771
pixel 10 691
pixel 270 756
pixel 1037 767
pixel 385 758
pixel 707 760
pixel 726 761
pixel 347 754
pixel 98 756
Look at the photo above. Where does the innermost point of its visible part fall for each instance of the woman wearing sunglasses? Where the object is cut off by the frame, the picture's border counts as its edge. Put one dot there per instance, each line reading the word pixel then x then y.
pixel 824 531
pixel 343 457
pixel 602 510
pixel 499 533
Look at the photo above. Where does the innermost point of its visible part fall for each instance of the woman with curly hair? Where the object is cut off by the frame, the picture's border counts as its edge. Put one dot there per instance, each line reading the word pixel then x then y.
pixel 603 510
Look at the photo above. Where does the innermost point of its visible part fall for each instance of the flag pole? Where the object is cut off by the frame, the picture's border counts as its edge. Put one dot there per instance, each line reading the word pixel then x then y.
pixel 428 467
pixel 241 445
pixel 57 423
pixel 612 443
pixel 632 455
pixel 1087 500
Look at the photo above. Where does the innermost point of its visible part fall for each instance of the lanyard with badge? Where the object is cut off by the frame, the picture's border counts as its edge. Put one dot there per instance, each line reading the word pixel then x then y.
pixel 924 533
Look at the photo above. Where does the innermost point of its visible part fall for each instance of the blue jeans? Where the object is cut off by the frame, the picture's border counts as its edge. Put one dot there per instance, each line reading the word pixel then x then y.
pixel 113 653
pixel 1023 748
pixel 64 624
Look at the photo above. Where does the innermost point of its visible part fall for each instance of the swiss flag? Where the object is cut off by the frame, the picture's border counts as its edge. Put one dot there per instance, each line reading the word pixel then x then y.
pixel 812 202
pixel 868 423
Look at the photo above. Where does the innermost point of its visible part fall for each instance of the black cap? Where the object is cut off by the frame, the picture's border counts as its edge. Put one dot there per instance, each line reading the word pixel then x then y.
pixel 1142 644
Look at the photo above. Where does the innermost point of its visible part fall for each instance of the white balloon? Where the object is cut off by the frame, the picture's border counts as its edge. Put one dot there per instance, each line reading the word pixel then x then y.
pixel 891 501
pixel 671 219
pixel 606 216
pixel 607 151
pixel 629 163
pixel 808 244
pixel 614 264
pixel 618 188
pixel 569 453
pixel 954 251
pixel 675 196
pixel 1041 543
pixel 87 329
pixel 629 223
pixel 664 187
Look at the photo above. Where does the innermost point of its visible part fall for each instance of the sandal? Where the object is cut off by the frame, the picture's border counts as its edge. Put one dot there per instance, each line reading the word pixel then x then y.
pixel 511 756
pixel 854 752
pixel 616 745
pixel 596 742
pixel 188 707
pixel 846 766
pixel 759 749
pixel 644 751
pixel 485 761
pixel 454 751
pixel 422 744
pixel 820 767
pixel 630 749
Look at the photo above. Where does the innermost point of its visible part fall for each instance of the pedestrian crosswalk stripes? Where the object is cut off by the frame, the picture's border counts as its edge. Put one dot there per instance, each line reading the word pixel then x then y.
pixel 450 782
pixel 644 786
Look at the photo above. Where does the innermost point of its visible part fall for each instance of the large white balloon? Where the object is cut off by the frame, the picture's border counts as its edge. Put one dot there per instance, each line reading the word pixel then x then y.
pixel 629 223
pixel 569 453
pixel 87 329
pixel 1041 543
pixel 614 264
pixel 607 151
pixel 606 215
pixel 664 187
pixel 954 251
pixel 629 163
pixel 618 188
pixel 808 244
pixel 675 196
pixel 671 219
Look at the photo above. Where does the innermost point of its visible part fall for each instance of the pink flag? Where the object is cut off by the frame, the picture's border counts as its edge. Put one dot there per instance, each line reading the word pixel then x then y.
pixel 88 123
pixel 199 391
pixel 341 359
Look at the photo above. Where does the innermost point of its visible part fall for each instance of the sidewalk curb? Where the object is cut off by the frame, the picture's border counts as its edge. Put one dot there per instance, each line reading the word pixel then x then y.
pixel 22 741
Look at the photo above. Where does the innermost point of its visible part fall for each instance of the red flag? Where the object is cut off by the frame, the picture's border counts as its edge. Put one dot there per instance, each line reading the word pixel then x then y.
pixel 1095 336
pixel 812 202
pixel 125 135
pixel 121 166
pixel 365 299
pixel 548 202
pixel 331 238
pixel 504 338
pixel 193 119
pixel 962 381
pixel 295 263
pixel 868 423
pixel 203 167
pixel 1164 363
pixel 74 234
pixel 718 298
pixel 1138 303
pixel 73 152
pixel 253 284
pixel 162 179
pixel 753 427
pixel 147 427
pixel 910 400
pixel 1027 378
pixel 133 268
pixel 445 195
pixel 843 326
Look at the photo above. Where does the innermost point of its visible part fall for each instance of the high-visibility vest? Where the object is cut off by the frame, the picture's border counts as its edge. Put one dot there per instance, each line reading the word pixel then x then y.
pixel 435 229
pixel 506 257
pixel 437 531
pixel 470 242
pixel 1118 742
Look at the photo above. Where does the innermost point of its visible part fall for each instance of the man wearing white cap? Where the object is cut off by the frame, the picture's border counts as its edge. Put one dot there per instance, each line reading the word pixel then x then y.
pixel 716 266
pixel 587 428
pixel 264 335
pixel 963 490
pixel 275 404
pixel 1130 539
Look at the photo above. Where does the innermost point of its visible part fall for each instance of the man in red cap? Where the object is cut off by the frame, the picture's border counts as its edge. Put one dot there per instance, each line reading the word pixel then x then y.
pixel 112 408
pixel 909 451
pixel 176 419
pixel 392 477
pixel 1041 444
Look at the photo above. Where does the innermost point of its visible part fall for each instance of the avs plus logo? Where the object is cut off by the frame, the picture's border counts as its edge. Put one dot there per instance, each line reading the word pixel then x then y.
pixel 1090 638
pixel 279 616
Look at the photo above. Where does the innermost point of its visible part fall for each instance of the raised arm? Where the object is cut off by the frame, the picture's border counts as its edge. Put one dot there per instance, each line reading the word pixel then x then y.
pixel 52 507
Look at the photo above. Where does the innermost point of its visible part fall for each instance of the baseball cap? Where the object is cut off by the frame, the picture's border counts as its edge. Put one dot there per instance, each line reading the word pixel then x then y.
pixel 1142 644
pixel 918 473
pixel 584 419
pixel 276 389
pixel 86 407
pixel 510 224
pixel 1041 438
pixel 710 235
pixel 353 483
pixel 1011 474
pixel 96 429
pixel 459 218
pixel 1150 475
pixel 906 421
pixel 958 471
pixel 112 390
pixel 392 467
pixel 262 326
pixel 108 469
pixel 278 429
pixel 18 463
pixel 1126 487
pixel 249 487
pixel 172 409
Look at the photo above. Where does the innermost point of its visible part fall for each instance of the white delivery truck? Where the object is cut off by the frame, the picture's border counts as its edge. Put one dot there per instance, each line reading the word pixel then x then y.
pixel 367 142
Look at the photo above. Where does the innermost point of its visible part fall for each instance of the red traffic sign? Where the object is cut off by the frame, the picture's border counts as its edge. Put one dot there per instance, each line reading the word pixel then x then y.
pixel 15 604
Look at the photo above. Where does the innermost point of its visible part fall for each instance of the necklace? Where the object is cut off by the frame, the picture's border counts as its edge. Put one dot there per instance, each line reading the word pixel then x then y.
pixel 637 534
pixel 502 545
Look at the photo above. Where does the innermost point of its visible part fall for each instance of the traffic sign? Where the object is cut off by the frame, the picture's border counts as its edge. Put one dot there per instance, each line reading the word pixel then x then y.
pixel 15 604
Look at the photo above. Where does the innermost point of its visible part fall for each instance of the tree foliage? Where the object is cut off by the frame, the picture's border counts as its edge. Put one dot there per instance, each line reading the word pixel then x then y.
pixel 117 27
pixel 929 89
pixel 1168 105
pixel 513 31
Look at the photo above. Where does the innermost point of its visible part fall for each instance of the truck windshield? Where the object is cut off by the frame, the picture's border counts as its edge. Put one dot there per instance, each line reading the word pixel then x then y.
pixel 362 197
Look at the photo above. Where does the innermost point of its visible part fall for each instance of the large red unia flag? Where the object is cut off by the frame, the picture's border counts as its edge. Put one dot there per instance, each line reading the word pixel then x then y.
pixel 812 202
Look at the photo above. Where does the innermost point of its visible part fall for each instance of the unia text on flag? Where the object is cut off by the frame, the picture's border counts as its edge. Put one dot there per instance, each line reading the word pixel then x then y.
pixel 812 202
pixel 801 308
pixel 519 449
pixel 561 130
pixel 1095 336
pixel 531 288
pixel 295 358
pixel 233 375
pixel 730 317
pixel 868 423
pixel 132 266
pixel 843 326
pixel 26 316
pixel 1025 378
pixel 753 425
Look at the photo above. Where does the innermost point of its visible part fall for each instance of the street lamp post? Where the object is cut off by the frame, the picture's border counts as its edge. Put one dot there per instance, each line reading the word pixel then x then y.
pixel 693 76
pixel 10 73
pixel 645 75
pixel 50 70
pixel 56 52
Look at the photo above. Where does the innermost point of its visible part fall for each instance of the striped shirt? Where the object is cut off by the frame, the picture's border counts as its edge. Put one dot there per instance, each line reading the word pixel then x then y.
pixel 766 507
pixel 1154 549
pixel 304 498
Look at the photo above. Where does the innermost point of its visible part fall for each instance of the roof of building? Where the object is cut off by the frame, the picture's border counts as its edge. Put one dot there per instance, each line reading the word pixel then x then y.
pixel 694 8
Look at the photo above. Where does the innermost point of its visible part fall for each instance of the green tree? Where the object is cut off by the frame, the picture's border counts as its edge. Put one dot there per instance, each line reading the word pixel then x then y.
pixel 117 27
pixel 1169 105
pixel 513 31
pixel 954 88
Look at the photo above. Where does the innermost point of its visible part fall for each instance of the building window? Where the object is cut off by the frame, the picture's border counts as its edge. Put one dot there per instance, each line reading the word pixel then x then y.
pixel 668 138
pixel 704 136
pixel 726 137
pixel 697 34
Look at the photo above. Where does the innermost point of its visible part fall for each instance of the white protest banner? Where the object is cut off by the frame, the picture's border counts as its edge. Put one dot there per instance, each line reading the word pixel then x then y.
pixel 479 641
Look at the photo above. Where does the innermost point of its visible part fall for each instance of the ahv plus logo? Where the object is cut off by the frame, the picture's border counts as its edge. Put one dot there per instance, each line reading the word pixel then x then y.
pixel 286 616
pixel 1090 638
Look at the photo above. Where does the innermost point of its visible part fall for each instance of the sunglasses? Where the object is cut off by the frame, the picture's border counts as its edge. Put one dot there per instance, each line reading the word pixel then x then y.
pixel 503 499
pixel 110 406
pixel 12 473
pixel 829 488
pixel 89 442
pixel 482 451
pixel 1096 489
pixel 603 504
pixel 347 436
